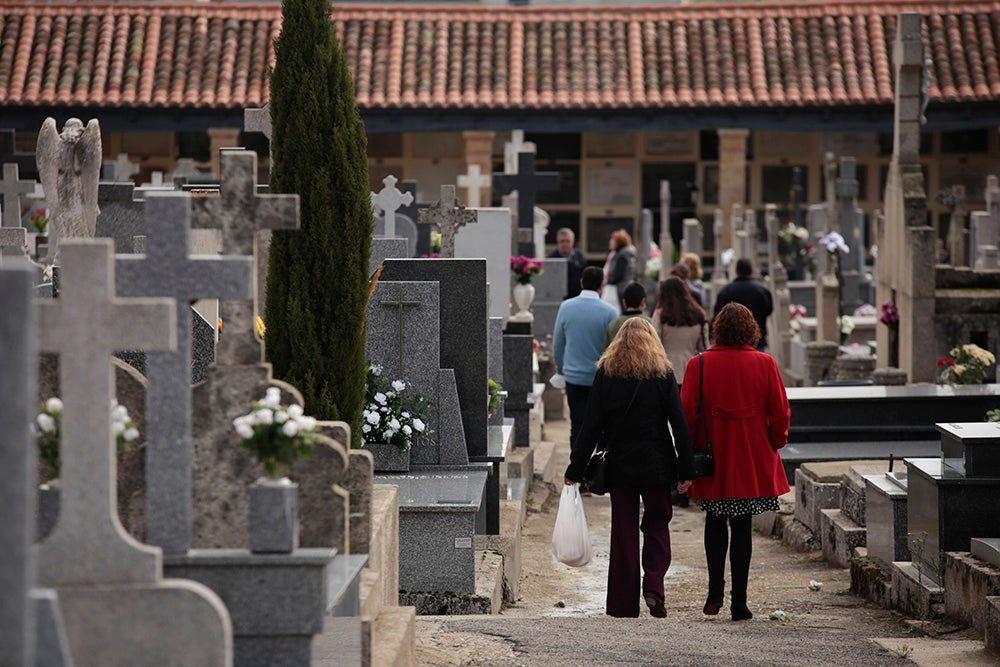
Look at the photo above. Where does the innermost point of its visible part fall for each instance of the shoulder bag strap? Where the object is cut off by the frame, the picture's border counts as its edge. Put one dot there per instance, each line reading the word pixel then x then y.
pixel 701 399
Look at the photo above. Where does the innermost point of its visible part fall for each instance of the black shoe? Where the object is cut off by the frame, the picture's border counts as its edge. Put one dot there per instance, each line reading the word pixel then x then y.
pixel 655 603
pixel 741 613
pixel 711 608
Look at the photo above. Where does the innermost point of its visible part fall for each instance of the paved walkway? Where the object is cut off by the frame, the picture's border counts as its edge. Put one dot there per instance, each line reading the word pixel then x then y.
pixel 559 618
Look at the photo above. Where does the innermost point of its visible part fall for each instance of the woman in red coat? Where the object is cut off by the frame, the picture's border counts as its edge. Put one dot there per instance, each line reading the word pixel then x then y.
pixel 746 413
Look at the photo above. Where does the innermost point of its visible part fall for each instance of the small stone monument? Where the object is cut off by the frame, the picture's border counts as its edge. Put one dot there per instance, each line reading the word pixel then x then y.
pixel 474 182
pixel 449 216
pixel 389 200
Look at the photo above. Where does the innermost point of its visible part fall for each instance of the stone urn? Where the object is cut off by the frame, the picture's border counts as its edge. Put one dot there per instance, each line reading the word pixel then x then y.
pixel 389 458
pixel 524 295
pixel 274 526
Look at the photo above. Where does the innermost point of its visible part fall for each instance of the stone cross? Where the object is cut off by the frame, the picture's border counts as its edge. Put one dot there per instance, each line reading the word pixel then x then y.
pixel 666 238
pixel 850 219
pixel 691 242
pixel 528 184
pixel 474 182
pixel 168 270
pixel 513 148
pixel 69 165
pixel 86 325
pixel 240 212
pixel 121 169
pixel 11 189
pixel 18 367
pixel 390 199
pixel 817 221
pixel 449 216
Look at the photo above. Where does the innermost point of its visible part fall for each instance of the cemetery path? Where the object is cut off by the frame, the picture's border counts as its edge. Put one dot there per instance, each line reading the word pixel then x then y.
pixel 829 626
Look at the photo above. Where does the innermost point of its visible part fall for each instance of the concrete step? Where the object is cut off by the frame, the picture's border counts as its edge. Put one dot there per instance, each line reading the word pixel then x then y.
pixel 488 598
pixel 394 633
pixel 544 460
pixel 508 545
pixel 840 536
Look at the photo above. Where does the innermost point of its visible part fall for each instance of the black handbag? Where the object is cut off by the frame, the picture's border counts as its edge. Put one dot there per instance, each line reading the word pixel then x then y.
pixel 596 474
pixel 704 461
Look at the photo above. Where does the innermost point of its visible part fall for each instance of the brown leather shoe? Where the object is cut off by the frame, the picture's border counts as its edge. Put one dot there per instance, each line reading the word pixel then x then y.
pixel 655 603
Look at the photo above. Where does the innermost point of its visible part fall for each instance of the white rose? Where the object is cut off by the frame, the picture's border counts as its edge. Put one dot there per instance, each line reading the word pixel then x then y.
pixel 264 416
pixel 376 369
pixel 372 418
pixel 46 423
pixel 307 424
pixel 295 411
pixel 407 430
pixel 131 434
pixel 117 428
pixel 394 424
pixel 119 412
pixel 272 399
pixel 366 428
pixel 405 414
pixel 291 428
pixel 419 425
pixel 387 435
pixel 380 398
pixel 280 417
pixel 244 431
pixel 54 405
pixel 398 385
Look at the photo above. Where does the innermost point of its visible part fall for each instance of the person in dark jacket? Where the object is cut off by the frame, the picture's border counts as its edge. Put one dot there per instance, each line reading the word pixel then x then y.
pixel 634 405
pixel 748 291
pixel 619 269
pixel 575 261
pixel 736 394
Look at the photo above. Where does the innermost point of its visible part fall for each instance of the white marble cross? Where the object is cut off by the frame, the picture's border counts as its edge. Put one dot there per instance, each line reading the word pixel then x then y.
pixel 389 200
pixel 125 169
pixel 11 189
pixel 85 325
pixel 449 216
pixel 512 148
pixel 474 181
pixel 240 212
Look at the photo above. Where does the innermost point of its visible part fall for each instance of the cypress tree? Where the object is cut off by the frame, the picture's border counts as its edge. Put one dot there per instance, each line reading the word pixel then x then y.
pixel 317 287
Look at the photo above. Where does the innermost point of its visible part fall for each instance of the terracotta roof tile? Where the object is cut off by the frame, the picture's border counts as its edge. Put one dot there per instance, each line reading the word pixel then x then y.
pixel 196 55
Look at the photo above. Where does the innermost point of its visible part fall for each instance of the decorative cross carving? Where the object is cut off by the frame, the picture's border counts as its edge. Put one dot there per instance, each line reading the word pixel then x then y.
pixel 528 184
pixel 240 213
pixel 168 270
pixel 390 199
pixel 449 216
pixel 474 181
pixel 85 326
pixel 11 189
pixel 400 304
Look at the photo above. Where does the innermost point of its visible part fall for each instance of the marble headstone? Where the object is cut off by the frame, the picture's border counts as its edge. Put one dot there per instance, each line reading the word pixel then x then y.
pixel 490 240
pixel 550 290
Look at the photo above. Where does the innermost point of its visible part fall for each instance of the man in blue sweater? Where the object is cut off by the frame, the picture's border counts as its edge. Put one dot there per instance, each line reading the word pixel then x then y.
pixel 579 341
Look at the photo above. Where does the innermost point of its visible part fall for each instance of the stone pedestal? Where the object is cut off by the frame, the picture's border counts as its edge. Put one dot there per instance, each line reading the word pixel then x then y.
pixel 885 519
pixel 889 376
pixel 820 356
pixel 855 367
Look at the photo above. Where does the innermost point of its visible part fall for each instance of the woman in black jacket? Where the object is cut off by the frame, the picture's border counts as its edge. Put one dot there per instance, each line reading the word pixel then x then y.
pixel 632 401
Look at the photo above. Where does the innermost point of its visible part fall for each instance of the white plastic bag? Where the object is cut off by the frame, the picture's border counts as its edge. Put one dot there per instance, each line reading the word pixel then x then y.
pixel 570 539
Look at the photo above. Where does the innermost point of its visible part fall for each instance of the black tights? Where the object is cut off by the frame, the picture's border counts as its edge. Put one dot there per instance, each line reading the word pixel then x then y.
pixel 740 547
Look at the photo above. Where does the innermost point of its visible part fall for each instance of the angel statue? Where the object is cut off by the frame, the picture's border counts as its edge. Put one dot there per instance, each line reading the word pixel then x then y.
pixel 69 165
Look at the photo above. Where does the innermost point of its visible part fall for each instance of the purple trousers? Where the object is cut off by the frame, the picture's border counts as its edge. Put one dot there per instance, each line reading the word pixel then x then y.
pixel 623 572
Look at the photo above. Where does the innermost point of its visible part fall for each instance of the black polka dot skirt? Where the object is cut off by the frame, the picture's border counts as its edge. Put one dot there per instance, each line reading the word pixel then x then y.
pixel 739 506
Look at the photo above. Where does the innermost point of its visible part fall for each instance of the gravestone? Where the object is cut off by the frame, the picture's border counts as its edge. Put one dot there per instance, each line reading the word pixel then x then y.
pixel 11 189
pixel 120 170
pixel 121 217
pixel 383 249
pixel 448 216
pixel 885 518
pixel 71 194
pixel 851 225
pixel 490 240
pixel 107 580
pixel 527 183
pixel 411 212
pixel 474 182
pixel 513 148
pixel 517 353
pixel 777 280
pixel 666 237
pixel 817 221
pixel 389 200
pixel 168 270
pixel 463 322
pixel 550 290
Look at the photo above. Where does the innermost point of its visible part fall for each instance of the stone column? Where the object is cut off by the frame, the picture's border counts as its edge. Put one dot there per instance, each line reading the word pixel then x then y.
pixel 479 150
pixel 221 137
pixel 732 173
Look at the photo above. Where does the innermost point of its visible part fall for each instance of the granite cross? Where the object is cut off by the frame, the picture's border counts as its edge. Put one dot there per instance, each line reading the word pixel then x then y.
pixel 85 326
pixel 168 270
pixel 449 216
pixel 474 181
pixel 528 184
pixel 240 212
pixel 390 199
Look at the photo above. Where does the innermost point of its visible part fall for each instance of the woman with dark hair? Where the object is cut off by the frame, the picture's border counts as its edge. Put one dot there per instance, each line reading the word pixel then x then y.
pixel 619 268
pixel 681 324
pixel 734 396
pixel 634 407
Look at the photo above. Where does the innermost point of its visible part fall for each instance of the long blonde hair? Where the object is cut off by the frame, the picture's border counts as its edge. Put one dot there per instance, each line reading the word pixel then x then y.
pixel 636 352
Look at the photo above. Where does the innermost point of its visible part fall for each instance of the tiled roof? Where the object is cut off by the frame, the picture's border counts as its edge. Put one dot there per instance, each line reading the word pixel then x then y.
pixel 215 56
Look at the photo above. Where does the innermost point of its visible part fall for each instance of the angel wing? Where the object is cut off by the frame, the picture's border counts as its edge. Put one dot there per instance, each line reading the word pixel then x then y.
pixel 90 155
pixel 48 153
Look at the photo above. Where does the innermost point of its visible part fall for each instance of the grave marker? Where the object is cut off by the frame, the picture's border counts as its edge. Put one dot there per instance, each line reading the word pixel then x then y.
pixel 528 184
pixel 389 200
pixel 120 170
pixel 474 182
pixel 168 270
pixel 11 189
pixel 666 238
pixel 449 216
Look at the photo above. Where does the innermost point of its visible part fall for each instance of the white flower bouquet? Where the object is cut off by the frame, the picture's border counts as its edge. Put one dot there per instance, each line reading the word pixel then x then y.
pixel 48 431
pixel 389 417
pixel 276 434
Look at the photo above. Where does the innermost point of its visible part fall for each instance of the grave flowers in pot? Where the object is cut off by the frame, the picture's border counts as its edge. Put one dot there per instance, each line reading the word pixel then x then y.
pixel 275 435
pixel 392 423
pixel 48 430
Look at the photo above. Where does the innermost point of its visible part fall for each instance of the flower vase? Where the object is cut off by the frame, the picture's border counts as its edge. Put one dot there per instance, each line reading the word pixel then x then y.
pixel 273 525
pixel 524 295
pixel 48 508
pixel 41 245
pixel 389 458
